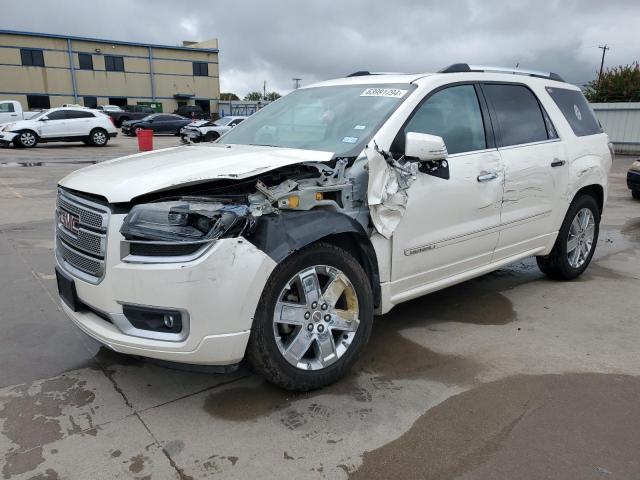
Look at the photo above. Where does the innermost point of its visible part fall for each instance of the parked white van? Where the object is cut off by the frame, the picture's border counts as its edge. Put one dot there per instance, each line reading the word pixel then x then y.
pixel 281 240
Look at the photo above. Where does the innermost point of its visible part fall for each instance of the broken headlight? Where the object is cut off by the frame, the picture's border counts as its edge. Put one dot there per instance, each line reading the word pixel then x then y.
pixel 186 220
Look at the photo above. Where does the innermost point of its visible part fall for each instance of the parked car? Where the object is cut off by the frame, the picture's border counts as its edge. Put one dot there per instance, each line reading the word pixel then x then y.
pixel 110 108
pixel 281 240
pixel 11 111
pixel 158 122
pixel 208 131
pixel 130 112
pixel 60 125
pixel 633 179
pixel 191 111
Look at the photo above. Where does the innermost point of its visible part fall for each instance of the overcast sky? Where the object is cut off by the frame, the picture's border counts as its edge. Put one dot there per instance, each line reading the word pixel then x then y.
pixel 276 40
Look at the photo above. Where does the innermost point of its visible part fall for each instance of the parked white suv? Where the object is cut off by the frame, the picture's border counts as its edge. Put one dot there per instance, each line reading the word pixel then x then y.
pixel 67 124
pixel 280 241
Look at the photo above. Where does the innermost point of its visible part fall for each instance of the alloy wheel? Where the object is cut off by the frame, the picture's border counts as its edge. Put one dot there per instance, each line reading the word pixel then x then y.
pixel 316 317
pixel 28 139
pixel 580 238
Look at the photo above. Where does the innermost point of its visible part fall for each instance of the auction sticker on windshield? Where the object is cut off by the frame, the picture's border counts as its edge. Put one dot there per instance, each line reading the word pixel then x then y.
pixel 383 92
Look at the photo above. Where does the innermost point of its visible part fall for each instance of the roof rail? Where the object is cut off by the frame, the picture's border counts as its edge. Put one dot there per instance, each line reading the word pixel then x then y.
pixel 464 67
pixel 363 73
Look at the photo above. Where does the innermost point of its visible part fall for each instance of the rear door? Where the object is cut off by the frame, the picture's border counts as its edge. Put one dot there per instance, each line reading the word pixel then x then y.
pixel 535 167
pixel 79 123
pixel 450 225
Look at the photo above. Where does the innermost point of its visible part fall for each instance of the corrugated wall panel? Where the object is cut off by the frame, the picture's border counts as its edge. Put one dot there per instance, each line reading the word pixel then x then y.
pixel 621 121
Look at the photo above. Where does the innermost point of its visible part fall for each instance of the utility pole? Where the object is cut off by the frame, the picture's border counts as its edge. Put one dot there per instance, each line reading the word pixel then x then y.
pixel 296 83
pixel 604 51
pixel 264 90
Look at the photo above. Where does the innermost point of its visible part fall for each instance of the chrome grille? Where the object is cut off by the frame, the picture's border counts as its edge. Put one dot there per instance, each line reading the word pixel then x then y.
pixel 82 251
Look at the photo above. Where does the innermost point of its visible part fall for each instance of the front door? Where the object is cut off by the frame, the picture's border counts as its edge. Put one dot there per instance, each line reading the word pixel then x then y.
pixel 535 168
pixel 55 125
pixel 450 226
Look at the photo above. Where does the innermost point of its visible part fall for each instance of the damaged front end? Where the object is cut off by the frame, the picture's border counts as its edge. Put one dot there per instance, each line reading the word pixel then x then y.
pixel 185 223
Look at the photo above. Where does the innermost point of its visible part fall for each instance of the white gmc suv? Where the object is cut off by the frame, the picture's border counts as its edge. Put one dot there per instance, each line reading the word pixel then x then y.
pixel 280 241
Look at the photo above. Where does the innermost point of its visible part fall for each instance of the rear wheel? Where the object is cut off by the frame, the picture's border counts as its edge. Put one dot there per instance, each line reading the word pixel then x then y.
pixel 98 137
pixel 26 139
pixel 576 241
pixel 313 320
pixel 635 194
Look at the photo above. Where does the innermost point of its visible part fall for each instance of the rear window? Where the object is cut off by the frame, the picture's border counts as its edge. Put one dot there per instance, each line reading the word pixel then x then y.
pixel 576 110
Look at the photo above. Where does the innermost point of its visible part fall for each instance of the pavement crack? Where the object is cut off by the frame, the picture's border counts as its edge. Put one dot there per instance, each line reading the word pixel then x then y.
pixel 117 388
pixel 179 471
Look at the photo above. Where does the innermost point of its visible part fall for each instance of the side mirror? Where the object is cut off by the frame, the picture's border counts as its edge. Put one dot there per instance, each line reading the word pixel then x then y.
pixel 44 119
pixel 425 147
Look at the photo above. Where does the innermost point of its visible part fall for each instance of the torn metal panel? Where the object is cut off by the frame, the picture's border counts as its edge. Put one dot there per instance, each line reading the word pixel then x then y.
pixel 389 180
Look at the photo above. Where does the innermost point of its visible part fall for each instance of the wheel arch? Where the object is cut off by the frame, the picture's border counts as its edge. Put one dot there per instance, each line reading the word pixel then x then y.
pixel 595 190
pixel 281 235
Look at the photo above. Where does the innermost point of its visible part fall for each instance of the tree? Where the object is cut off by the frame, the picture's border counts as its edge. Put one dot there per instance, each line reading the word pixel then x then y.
pixel 229 96
pixel 272 96
pixel 617 84
pixel 253 96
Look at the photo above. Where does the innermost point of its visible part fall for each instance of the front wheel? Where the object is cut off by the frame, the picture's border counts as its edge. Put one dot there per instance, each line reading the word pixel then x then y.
pixel 26 139
pixel 576 241
pixel 211 137
pixel 635 194
pixel 313 320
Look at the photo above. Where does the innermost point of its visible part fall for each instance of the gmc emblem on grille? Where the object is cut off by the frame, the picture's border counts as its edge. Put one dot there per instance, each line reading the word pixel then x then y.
pixel 69 221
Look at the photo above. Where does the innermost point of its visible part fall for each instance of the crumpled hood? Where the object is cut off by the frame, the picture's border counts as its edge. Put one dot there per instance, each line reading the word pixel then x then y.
pixel 125 178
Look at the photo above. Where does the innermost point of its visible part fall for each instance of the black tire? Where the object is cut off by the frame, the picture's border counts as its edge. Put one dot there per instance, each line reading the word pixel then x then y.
pixel 211 137
pixel 98 137
pixel 635 194
pixel 556 265
pixel 120 120
pixel 26 139
pixel 263 353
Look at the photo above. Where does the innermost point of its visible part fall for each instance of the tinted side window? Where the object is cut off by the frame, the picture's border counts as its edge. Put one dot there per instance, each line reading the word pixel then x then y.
pixel 576 110
pixel 453 114
pixel 78 114
pixel 518 113
pixel 57 115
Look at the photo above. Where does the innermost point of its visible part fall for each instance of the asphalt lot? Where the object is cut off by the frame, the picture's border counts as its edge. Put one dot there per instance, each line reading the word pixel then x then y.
pixel 507 376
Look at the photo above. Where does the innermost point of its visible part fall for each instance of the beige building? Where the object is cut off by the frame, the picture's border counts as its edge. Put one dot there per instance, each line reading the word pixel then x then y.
pixel 42 71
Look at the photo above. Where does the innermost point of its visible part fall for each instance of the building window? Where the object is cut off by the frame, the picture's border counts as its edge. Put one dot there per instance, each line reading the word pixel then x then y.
pixel 90 102
pixel 205 105
pixel 86 61
pixel 119 101
pixel 200 69
pixel 38 102
pixel 31 57
pixel 113 63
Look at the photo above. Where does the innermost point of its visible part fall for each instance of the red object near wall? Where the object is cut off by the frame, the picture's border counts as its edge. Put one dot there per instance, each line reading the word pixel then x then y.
pixel 145 139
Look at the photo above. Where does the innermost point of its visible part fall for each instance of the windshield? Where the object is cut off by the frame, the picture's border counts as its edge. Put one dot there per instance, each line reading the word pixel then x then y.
pixel 338 119
pixel 221 122
pixel 38 115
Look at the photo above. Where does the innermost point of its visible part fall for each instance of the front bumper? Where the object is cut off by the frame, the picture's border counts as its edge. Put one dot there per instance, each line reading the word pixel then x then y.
pixel 189 135
pixel 633 180
pixel 219 290
pixel 6 138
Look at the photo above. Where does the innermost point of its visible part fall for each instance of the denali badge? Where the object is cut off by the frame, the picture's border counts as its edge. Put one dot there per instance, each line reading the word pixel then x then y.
pixel 69 221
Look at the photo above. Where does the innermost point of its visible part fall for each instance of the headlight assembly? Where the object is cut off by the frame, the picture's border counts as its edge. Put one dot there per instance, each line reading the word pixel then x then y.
pixel 191 220
pixel 635 166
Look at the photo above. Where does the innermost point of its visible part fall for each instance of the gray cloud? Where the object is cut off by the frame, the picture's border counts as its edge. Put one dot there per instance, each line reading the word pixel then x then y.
pixel 319 39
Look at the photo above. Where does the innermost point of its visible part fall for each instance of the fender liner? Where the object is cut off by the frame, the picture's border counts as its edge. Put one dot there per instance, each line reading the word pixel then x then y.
pixel 281 235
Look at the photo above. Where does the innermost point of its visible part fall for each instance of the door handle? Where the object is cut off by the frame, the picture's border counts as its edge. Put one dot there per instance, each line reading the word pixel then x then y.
pixel 557 163
pixel 487 176
pixel 14 114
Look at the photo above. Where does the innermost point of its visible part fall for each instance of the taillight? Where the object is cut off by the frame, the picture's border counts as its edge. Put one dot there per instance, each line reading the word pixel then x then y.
pixel 111 120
